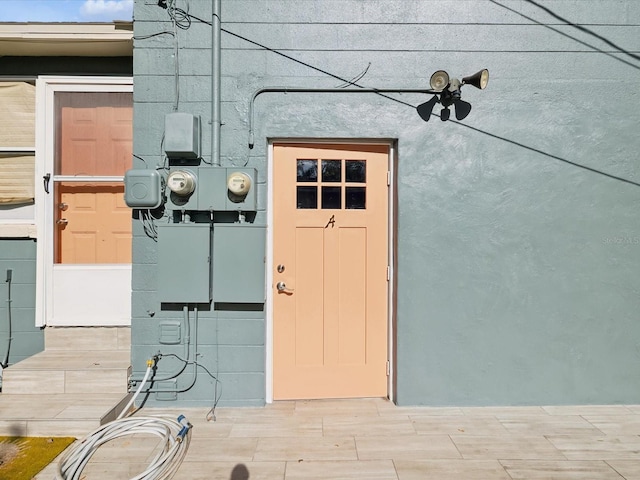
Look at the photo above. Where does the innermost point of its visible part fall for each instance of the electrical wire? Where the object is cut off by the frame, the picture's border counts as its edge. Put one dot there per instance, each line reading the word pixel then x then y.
pixel 179 17
pixel 151 35
pixel 345 81
pixel 584 30
pixel 140 158
pixel 176 65
pixel 577 40
pixel 186 362
pixel 216 395
pixel 176 435
pixel 148 224
pixel 187 347
pixel 356 78
pixel 352 83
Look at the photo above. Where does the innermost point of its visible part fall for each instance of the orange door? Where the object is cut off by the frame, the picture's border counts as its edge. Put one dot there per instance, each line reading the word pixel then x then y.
pixel 330 271
pixel 93 223
pixel 96 226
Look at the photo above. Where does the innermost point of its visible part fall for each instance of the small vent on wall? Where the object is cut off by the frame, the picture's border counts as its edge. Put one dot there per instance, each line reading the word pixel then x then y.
pixel 169 333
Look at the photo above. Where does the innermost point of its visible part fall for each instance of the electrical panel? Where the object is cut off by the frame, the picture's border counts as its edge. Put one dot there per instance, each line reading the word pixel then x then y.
pixel 239 266
pixel 182 136
pixel 142 188
pixel 184 262
pixel 212 189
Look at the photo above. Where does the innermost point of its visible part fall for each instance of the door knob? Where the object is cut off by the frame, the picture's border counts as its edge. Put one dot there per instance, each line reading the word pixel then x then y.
pixel 282 287
pixel 62 221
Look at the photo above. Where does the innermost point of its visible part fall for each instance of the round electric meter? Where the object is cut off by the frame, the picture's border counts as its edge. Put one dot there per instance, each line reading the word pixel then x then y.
pixel 239 183
pixel 181 182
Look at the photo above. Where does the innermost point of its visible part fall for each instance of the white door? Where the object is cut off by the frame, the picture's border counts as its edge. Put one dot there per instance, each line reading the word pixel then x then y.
pixel 84 226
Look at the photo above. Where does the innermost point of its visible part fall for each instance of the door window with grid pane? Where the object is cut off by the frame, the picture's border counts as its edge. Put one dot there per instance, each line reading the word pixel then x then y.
pixel 331 184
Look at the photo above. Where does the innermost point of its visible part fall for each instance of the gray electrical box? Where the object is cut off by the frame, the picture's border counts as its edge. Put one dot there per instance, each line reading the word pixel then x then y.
pixel 142 188
pixel 212 192
pixel 182 136
pixel 239 263
pixel 184 262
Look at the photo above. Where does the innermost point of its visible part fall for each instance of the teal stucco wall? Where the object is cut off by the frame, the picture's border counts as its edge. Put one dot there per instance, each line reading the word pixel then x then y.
pixel 19 257
pixel 517 238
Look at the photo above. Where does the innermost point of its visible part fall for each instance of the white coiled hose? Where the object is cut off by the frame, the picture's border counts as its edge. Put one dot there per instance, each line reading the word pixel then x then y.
pixel 175 433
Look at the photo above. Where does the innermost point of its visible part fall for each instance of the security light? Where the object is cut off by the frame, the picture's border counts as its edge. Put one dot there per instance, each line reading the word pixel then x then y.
pixel 439 80
pixel 478 80
pixel 447 93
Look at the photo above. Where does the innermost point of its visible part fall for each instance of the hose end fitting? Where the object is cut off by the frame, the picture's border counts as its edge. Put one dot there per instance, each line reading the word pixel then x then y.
pixel 152 362
pixel 186 426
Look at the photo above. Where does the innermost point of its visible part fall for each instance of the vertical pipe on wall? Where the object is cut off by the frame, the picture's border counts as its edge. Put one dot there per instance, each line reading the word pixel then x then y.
pixel 215 82
pixel 5 362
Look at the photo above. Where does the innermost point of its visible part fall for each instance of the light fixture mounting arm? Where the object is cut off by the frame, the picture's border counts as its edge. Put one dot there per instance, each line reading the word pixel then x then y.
pixel 261 91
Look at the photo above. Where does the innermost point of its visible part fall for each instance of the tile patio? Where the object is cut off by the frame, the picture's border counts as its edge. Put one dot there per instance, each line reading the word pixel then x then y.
pixel 374 439
pixel 56 393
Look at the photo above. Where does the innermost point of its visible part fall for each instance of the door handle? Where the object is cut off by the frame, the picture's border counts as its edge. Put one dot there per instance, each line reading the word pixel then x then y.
pixel 46 178
pixel 62 221
pixel 282 287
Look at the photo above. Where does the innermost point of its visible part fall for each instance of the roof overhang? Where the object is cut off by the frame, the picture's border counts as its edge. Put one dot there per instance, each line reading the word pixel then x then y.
pixel 66 39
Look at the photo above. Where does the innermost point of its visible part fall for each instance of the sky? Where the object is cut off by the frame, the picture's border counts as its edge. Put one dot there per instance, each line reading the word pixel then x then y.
pixel 65 10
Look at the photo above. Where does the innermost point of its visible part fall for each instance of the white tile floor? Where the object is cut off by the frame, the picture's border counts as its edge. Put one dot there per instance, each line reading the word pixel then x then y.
pixel 374 439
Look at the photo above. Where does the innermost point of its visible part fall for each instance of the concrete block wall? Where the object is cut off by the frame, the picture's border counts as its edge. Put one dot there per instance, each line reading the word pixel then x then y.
pixel 230 337
pixel 517 242
pixel 19 256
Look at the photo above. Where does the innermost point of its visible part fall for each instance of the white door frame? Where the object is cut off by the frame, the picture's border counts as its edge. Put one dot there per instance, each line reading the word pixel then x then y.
pixel 46 88
pixel 269 257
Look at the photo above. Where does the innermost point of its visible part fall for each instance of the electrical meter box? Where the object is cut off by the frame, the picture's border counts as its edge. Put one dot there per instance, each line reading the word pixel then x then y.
pixel 142 188
pixel 242 189
pixel 239 263
pixel 181 136
pixel 184 263
pixel 217 189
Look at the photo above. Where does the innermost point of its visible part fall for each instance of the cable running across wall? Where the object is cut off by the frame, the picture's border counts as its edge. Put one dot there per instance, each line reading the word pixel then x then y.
pixel 584 29
pixel 492 135
pixel 593 47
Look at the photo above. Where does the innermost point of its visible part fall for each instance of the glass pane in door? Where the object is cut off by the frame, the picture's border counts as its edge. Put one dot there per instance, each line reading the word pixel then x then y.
pixel 93 139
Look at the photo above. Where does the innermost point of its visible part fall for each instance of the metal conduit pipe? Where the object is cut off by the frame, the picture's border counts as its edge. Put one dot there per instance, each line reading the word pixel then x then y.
pixel 216 75
pixel 323 90
pixel 187 345
pixel 188 360
pixel 5 362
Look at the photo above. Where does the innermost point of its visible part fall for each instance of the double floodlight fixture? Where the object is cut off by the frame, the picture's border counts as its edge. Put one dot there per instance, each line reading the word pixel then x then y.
pixel 447 93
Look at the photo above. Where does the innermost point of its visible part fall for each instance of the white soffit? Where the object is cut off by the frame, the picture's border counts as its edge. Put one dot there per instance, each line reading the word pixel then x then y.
pixel 66 39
